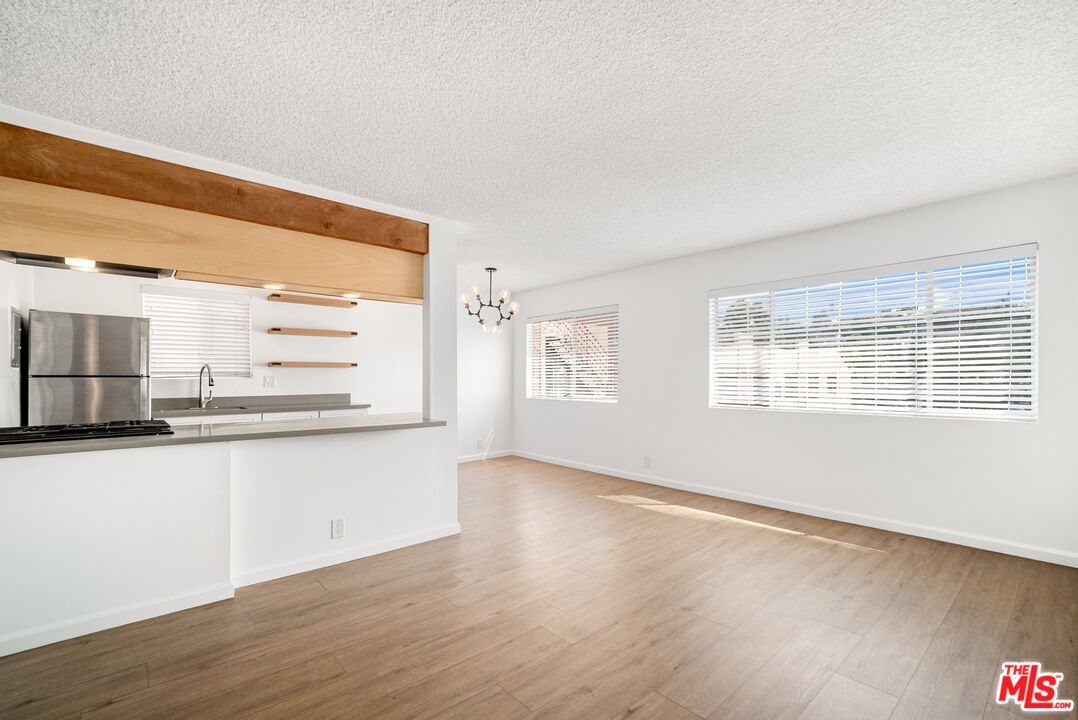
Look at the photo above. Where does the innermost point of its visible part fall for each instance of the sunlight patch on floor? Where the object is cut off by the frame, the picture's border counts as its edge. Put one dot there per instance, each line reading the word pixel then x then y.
pixel 709 516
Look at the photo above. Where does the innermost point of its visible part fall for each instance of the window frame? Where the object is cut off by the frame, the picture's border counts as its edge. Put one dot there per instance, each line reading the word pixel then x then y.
pixel 571 315
pixel 881 271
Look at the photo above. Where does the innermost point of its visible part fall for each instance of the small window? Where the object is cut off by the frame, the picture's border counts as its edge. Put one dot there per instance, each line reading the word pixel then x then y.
pixel 188 330
pixel 951 337
pixel 574 356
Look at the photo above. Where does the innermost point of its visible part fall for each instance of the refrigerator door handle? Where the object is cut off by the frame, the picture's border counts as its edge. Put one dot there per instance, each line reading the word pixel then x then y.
pixel 144 399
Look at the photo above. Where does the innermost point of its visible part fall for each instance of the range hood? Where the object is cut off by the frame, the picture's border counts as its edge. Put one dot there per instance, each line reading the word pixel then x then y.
pixel 84 265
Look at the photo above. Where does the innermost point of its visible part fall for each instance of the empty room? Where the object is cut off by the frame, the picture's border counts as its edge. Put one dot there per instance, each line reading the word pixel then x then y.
pixel 518 361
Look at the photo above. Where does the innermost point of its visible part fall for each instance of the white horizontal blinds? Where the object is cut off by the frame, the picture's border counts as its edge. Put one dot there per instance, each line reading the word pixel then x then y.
pixel 848 345
pixel 575 356
pixel 954 340
pixel 187 331
pixel 595 353
pixel 549 352
pixel 983 341
pixel 741 350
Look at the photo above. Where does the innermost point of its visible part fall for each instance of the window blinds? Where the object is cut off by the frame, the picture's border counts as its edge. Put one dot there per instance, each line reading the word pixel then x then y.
pixel 187 330
pixel 946 337
pixel 574 356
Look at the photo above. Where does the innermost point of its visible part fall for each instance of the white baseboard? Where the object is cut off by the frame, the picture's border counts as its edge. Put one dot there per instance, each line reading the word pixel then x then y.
pixel 85 624
pixel 484 456
pixel 313 562
pixel 1008 547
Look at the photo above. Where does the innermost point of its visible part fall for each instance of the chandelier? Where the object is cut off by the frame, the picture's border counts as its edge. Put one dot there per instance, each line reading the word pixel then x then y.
pixel 499 306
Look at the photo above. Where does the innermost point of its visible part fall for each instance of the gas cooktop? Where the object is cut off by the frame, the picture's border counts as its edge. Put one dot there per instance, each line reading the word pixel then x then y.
pixel 88 431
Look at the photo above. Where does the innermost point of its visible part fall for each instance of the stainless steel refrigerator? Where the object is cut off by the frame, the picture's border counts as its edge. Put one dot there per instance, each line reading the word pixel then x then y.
pixel 86 368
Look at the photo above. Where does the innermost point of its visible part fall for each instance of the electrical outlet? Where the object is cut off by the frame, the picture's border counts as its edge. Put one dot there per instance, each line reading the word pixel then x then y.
pixel 336 529
pixel 647 462
pixel 478 444
pixel 269 381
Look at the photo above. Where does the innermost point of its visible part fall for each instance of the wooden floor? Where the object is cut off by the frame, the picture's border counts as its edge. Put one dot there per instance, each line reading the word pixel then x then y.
pixel 575 595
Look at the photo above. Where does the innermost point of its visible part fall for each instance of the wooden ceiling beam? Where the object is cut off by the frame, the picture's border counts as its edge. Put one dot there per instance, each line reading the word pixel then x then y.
pixel 40 157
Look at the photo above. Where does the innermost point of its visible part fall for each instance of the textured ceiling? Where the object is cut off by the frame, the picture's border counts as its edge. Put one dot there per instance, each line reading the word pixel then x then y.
pixel 575 138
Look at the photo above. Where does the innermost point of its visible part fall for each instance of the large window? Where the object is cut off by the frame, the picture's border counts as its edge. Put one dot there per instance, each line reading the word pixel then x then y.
pixel 574 356
pixel 189 329
pixel 948 337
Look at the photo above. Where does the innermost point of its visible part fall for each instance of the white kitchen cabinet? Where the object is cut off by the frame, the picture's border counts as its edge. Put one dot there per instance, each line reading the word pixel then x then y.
pixel 215 419
pixel 291 415
pixel 342 413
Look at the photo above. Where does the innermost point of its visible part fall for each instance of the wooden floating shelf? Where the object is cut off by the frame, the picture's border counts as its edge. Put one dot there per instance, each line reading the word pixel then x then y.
pixel 307 300
pixel 311 332
pixel 313 364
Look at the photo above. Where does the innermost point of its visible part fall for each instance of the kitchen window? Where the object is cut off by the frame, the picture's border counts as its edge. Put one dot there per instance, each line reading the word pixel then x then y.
pixel 189 329
pixel 953 337
pixel 574 355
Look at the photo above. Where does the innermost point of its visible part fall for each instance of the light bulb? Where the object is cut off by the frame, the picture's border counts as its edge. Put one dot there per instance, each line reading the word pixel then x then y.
pixel 497 329
pixel 464 299
pixel 483 325
pixel 475 291
pixel 80 263
pixel 504 296
pixel 513 307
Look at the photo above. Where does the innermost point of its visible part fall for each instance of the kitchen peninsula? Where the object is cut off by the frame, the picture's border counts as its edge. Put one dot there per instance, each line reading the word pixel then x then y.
pixel 137 527
pixel 228 432
pixel 101 532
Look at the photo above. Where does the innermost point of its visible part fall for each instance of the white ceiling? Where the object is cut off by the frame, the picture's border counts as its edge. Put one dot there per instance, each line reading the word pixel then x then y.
pixel 575 138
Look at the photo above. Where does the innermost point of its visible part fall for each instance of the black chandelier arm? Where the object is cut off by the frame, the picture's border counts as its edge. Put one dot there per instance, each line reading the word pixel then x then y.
pixel 498 307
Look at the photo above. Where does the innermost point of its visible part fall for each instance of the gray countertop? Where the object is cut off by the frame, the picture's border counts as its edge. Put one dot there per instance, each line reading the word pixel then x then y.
pixel 231 432
pixel 165 408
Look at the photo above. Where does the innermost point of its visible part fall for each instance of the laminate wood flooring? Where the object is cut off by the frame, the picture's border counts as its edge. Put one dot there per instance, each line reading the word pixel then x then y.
pixel 576 595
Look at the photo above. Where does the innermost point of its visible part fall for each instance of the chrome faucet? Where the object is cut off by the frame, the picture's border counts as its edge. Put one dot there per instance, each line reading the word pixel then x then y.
pixel 204 401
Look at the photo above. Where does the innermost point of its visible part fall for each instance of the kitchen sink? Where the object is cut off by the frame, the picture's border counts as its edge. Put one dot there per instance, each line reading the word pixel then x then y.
pixel 212 415
pixel 211 409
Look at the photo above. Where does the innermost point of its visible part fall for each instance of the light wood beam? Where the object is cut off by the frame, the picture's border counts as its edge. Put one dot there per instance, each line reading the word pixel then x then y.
pixel 49 220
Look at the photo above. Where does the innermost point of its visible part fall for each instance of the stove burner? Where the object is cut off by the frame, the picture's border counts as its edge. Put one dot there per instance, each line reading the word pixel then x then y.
pixel 118 428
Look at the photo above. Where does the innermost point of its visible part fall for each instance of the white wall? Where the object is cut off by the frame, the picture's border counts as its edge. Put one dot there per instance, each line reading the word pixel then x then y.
pixel 16 291
pixel 94 540
pixel 484 386
pixel 440 365
pixel 286 492
pixel 1006 486
pixel 388 347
